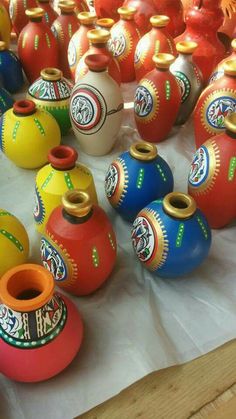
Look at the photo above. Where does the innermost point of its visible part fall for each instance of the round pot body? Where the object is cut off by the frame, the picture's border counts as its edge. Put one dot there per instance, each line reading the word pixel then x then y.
pixel 14 242
pixel 96 107
pixel 212 177
pixel 11 74
pixel 36 323
pixel 50 14
pixel 167 245
pixel 156 96
pixel 37 48
pixel 136 178
pixel 17 10
pixel 6 101
pixel 107 8
pixel 80 252
pixel 5 26
pixel 215 103
pixel 144 10
pixel 175 11
pixel 53 180
pixel 27 138
pixel 51 92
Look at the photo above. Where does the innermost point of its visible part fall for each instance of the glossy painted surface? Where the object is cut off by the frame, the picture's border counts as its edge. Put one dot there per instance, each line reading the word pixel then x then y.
pixel 145 9
pixel 11 74
pixel 173 9
pixel 17 10
pixel 50 13
pixel 107 8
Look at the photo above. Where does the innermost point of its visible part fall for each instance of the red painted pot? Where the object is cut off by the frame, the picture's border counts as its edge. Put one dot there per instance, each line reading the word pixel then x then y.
pixel 63 28
pixel 156 41
pixel 212 178
pixel 79 244
pixel 203 20
pixel 157 101
pixel 98 45
pixel 175 11
pixel 108 8
pixel 50 14
pixel 41 331
pixel 17 10
pixel 37 46
pixel 124 38
pixel 145 9
pixel 214 104
pixel 80 6
pixel 219 70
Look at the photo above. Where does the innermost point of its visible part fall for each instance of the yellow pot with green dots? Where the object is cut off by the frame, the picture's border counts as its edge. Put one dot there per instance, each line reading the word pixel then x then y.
pixel 14 242
pixel 53 180
pixel 27 134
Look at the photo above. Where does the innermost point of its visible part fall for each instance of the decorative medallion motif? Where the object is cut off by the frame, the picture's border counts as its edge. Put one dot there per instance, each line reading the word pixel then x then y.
pixel 72 54
pixel 116 182
pixel 141 51
pixel 146 101
pixel 50 90
pixel 204 168
pixel 215 108
pixel 120 44
pixel 39 210
pixel 149 239
pixel 217 75
pixel 184 84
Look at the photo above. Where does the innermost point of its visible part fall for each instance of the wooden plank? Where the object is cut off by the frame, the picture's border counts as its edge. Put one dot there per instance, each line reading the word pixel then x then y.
pixel 178 392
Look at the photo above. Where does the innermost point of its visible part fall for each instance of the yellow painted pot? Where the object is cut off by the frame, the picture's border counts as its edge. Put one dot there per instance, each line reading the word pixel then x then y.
pixel 14 242
pixel 27 134
pixel 53 180
pixel 5 26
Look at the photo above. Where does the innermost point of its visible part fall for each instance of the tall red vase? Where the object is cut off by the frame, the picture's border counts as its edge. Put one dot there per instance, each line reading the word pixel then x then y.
pixel 214 104
pixel 175 11
pixel 108 8
pixel 212 177
pixel 145 9
pixel 203 20
pixel 37 46
pixel 50 14
pixel 17 10
pixel 63 28
pixel 157 101
pixel 156 41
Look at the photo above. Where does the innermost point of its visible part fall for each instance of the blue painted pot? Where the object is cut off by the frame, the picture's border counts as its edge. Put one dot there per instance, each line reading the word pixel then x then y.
pixel 171 237
pixel 136 178
pixel 6 101
pixel 11 75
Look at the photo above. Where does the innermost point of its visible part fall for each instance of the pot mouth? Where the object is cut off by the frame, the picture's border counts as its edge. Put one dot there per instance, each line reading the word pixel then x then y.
pixel 127 13
pixel 24 107
pixel 143 151
pixel 97 62
pixel 87 18
pixel 163 60
pixel 230 67
pixel 63 157
pixel 179 205
pixel 51 74
pixel 35 13
pixel 26 287
pixel 186 47
pixel 159 21
pixel 98 36
pixel 66 6
pixel 105 22
pixel 76 203
pixel 3 46
pixel 230 122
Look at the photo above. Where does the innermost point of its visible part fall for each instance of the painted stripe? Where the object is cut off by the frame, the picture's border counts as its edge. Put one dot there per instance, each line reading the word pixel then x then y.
pixel 39 126
pixel 111 241
pixel 180 235
pixel 203 228
pixel 140 178
pixel 68 181
pixel 95 257
pixel 17 124
pixel 47 180
pixel 232 168
pixel 161 172
pixel 12 239
pixel 168 90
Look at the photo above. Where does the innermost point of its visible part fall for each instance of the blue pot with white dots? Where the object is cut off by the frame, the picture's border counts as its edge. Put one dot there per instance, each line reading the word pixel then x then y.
pixel 171 236
pixel 6 101
pixel 11 74
pixel 137 177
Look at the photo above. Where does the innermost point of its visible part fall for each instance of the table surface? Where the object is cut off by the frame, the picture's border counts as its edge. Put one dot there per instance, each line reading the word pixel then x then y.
pixel 203 388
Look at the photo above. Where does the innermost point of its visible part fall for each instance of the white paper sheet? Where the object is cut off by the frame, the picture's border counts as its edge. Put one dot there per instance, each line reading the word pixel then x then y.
pixel 136 323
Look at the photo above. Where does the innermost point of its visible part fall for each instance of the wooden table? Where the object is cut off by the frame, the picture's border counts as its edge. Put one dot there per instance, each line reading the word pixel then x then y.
pixel 203 388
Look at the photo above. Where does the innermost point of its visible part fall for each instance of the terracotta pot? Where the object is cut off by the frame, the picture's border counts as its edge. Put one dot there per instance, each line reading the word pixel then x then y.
pixel 145 9
pixel 17 9
pixel 175 11
pixel 108 8
pixel 50 14
pixel 80 6
pixel 219 70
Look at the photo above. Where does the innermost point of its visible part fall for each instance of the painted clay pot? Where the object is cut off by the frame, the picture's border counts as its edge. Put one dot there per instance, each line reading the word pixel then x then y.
pixel 219 70
pixel 145 9
pixel 124 38
pixel 156 41
pixel 99 45
pixel 5 25
pixel 96 106
pixel 63 28
pixel 53 180
pixel 105 23
pixel 11 74
pixel 212 177
pixel 136 178
pixel 80 6
pixel 52 93
pixel 36 322
pixel 6 101
pixel 50 14
pixel 27 134
pixel 189 77
pixel 37 46
pixel 14 242
pixel 203 20
pixel 17 9
pixel 214 104
pixel 157 95
pixel 108 8
pixel 79 42
pixel 79 245
pixel 171 236
pixel 175 11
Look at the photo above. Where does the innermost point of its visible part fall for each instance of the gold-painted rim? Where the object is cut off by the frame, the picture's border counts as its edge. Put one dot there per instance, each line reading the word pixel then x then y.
pixel 233 44
pixel 159 21
pixel 172 205
pixel 3 46
pixel 127 12
pixel 163 60
pixel 87 18
pixel 66 5
pixel 186 47
pixel 98 36
pixel 76 203
pixel 230 122
pixel 105 22
pixel 143 151
pixel 35 12
pixel 51 74
pixel 230 67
